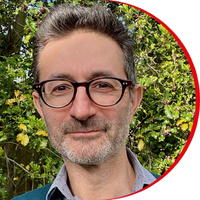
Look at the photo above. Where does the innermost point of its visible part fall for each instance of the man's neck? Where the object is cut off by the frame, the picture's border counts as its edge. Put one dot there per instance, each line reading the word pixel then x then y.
pixel 113 178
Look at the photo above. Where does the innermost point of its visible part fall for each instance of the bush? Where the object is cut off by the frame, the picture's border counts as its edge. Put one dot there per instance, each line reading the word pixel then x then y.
pixel 159 129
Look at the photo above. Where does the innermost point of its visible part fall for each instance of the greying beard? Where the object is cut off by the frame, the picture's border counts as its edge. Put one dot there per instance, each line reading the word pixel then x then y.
pixel 116 135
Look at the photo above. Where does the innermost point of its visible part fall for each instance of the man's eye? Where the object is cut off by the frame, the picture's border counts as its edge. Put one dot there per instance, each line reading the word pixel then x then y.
pixel 61 89
pixel 103 85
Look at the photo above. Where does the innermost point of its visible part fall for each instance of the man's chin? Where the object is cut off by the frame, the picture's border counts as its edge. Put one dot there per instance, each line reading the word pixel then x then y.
pixel 87 153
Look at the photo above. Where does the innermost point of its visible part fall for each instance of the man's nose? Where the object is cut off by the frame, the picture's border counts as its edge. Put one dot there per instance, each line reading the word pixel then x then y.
pixel 82 106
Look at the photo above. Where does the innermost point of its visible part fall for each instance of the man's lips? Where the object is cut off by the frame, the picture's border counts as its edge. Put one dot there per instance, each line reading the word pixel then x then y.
pixel 91 132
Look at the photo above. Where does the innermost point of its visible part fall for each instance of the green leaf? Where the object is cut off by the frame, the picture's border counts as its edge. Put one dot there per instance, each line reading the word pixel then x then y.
pixel 155 134
pixel 171 112
pixel 1 151
pixel 4 138
pixel 161 138
pixel 43 144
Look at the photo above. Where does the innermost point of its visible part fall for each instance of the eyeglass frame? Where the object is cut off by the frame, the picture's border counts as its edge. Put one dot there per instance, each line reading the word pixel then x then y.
pixel 86 84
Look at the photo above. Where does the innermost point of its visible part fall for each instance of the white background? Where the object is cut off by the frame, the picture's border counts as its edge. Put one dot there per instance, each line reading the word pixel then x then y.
pixel 183 18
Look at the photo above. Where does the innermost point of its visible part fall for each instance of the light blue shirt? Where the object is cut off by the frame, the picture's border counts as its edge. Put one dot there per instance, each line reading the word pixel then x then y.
pixel 143 177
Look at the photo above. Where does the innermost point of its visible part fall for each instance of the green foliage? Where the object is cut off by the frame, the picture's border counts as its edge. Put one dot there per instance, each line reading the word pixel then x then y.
pixel 164 119
pixel 159 129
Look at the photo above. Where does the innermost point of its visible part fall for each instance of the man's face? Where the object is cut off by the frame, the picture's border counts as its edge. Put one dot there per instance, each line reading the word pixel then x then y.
pixel 84 132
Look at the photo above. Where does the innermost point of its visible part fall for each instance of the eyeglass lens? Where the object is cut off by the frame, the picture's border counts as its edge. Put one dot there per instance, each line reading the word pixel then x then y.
pixel 59 93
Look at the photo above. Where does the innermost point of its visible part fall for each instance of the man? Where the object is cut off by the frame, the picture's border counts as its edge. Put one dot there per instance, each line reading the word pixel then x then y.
pixel 86 92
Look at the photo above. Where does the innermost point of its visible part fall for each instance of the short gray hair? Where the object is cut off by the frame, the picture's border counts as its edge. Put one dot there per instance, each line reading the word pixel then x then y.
pixel 63 20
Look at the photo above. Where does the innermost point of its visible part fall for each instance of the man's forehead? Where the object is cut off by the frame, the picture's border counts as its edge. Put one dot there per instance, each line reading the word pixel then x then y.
pixel 68 58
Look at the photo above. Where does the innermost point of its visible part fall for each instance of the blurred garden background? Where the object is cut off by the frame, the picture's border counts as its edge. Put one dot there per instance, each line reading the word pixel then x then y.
pixel 159 130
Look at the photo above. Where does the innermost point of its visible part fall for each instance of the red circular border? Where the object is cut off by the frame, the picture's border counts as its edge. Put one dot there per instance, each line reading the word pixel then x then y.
pixel 196 115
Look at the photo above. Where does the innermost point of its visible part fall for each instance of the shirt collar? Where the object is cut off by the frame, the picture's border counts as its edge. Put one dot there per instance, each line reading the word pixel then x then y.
pixel 143 177
pixel 60 183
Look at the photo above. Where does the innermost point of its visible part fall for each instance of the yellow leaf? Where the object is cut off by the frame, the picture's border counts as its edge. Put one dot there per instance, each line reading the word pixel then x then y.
pixel 17 93
pixel 27 167
pixel 10 101
pixel 145 111
pixel 141 136
pixel 43 133
pixel 180 121
pixel 23 127
pixel 16 179
pixel 22 97
pixel 19 137
pixel 184 127
pixel 7 102
pixel 190 126
pixel 27 38
pixel 140 145
pixel 23 138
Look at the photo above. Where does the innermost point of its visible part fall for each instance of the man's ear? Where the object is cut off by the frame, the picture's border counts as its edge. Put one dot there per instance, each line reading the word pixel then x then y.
pixel 36 100
pixel 136 99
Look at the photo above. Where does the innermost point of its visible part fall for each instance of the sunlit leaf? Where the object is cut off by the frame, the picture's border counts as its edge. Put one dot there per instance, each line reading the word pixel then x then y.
pixel 27 38
pixel 184 127
pixel 17 93
pixel 19 137
pixel 171 112
pixel 43 133
pixel 43 144
pixel 27 167
pixel 23 138
pixel 15 178
pixel 23 127
pixel 180 121
pixel 190 126
pixel 139 136
pixel 140 145
pixel 10 101
pixel 22 97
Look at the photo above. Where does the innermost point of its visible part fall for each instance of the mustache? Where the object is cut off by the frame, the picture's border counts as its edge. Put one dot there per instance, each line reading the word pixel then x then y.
pixel 94 123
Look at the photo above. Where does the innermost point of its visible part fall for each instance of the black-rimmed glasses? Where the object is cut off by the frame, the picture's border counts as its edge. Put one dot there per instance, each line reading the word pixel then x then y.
pixel 103 91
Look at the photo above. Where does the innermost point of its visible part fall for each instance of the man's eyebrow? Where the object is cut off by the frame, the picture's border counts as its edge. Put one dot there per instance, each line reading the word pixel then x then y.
pixel 100 74
pixel 90 76
pixel 62 75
